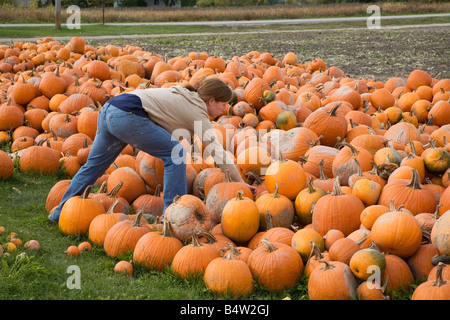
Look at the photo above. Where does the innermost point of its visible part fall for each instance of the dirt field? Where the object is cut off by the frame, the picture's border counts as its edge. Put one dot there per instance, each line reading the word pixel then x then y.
pixel 362 53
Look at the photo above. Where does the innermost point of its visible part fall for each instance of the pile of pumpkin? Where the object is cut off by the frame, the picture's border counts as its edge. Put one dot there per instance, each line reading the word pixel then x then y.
pixel 352 175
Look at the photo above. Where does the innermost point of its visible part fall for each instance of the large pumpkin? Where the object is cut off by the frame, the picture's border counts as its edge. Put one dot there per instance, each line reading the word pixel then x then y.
pixel 337 210
pixel 156 250
pixel 397 232
pixel 229 275
pixel 187 214
pixel 275 266
pixel 124 235
pixel 288 175
pixel 240 218
pixel 332 281
pixel 408 193
pixel 78 212
pixel 330 124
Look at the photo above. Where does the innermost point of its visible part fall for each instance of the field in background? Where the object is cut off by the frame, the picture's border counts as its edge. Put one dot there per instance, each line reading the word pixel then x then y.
pixel 143 14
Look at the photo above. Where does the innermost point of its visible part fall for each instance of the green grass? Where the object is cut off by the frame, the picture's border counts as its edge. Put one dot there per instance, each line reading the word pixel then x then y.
pixel 9 33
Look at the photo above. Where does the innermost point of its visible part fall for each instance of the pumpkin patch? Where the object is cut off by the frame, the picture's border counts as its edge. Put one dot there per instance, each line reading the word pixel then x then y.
pixel 351 177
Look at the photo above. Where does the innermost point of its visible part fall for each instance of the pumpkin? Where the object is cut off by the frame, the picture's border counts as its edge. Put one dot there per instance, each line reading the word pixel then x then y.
pixel 152 204
pixel 337 210
pixel 371 291
pixel 240 218
pixel 410 194
pixel 187 214
pixel 275 266
pixel 332 280
pixel 371 213
pixel 101 224
pixel 109 198
pixel 156 250
pixel 124 235
pixel 437 160
pixel 6 165
pixel 314 259
pixel 11 116
pixel 440 233
pixel 39 159
pixel 433 290
pixel 397 232
pixel 192 259
pixel 367 262
pixel 344 164
pixel 133 185
pixel 280 208
pixel 301 241
pixel 288 175
pixel 305 200
pixel 420 261
pixel 294 143
pixel 124 267
pixel 219 195
pixel 78 212
pixel 330 124
pixel 229 275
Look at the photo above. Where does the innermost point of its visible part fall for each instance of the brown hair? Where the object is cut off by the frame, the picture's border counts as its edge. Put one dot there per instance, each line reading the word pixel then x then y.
pixel 213 88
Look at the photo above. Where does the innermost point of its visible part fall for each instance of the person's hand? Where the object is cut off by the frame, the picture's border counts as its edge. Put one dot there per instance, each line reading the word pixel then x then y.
pixel 252 188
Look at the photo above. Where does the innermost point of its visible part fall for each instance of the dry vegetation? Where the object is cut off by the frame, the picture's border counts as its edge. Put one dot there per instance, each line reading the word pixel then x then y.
pixel 94 15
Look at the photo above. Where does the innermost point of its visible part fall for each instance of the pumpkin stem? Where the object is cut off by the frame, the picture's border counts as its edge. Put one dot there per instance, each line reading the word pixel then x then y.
pixel 315 142
pixel 195 241
pixel 158 190
pixel 166 228
pixel 86 192
pixel 415 180
pixel 239 195
pixel 232 253
pixel 268 217
pixel 436 214
pixel 276 194
pixel 353 151
pixel 115 190
pixel 316 251
pixel 269 245
pixel 333 110
pixel 137 219
pixel 111 208
pixel 359 171
pixel 337 191
pixel 323 176
pixel 327 265
pixel 439 280
pixel 310 185
pixel 103 188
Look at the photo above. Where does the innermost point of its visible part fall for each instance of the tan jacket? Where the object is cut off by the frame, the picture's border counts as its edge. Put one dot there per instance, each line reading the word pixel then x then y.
pixel 182 113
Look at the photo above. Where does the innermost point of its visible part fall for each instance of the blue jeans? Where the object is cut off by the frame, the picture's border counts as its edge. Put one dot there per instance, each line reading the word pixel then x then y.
pixel 117 128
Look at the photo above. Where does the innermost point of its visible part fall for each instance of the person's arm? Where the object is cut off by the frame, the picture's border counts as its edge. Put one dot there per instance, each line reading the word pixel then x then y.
pixel 219 154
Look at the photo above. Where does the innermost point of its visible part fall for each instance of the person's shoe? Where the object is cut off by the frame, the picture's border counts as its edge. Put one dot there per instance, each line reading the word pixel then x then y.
pixel 52 219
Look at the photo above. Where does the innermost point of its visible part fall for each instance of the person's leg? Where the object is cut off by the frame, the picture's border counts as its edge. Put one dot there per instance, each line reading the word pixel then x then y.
pixel 105 149
pixel 145 135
